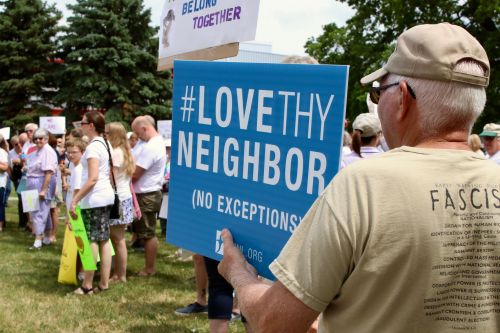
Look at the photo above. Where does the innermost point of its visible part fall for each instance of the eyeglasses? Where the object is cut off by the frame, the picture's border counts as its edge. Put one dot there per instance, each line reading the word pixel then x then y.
pixel 38 138
pixel 376 91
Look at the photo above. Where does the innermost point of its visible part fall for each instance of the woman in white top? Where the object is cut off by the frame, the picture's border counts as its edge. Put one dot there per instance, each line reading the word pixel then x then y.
pixel 96 197
pixel 365 138
pixel 4 166
pixel 123 168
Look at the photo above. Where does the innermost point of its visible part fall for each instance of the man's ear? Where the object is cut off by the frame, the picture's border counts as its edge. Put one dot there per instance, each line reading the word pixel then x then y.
pixel 405 100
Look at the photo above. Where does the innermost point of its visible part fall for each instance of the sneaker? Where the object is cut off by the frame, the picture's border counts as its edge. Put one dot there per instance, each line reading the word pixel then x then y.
pixel 192 309
pixel 37 245
pixel 46 241
pixel 235 316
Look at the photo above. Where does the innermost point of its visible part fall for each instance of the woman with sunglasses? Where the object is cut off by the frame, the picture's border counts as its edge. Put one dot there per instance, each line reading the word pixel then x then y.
pixel 42 164
pixel 96 196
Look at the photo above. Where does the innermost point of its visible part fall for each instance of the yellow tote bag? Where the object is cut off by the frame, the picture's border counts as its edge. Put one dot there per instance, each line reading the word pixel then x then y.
pixel 67 268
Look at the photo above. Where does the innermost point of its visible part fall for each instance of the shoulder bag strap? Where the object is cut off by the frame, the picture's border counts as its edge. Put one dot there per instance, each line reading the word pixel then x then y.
pixel 105 143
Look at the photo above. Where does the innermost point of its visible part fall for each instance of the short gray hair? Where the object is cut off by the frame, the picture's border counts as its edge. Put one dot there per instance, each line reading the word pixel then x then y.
pixel 296 59
pixel 31 126
pixel 447 106
pixel 41 132
pixel 150 120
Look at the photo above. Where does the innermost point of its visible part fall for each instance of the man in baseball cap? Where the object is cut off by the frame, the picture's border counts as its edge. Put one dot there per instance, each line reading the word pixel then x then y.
pixel 391 243
pixel 491 141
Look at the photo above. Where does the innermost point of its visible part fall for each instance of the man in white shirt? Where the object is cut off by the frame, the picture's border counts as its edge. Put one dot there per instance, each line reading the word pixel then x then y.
pixel 491 141
pixel 147 180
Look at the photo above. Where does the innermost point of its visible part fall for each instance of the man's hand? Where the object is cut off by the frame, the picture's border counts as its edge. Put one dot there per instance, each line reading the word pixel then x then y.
pixel 234 265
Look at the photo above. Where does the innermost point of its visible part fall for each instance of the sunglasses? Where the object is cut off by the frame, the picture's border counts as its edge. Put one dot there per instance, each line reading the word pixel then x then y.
pixel 376 91
pixel 84 122
pixel 38 138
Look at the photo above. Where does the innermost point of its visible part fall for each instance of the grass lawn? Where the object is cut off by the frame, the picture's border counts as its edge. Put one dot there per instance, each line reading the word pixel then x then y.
pixel 31 299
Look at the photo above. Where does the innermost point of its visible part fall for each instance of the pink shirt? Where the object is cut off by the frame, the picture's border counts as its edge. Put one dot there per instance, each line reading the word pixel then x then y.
pixel 41 161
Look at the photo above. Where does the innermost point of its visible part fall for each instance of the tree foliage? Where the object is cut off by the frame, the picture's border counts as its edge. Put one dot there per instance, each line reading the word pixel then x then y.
pixel 368 38
pixel 27 43
pixel 110 53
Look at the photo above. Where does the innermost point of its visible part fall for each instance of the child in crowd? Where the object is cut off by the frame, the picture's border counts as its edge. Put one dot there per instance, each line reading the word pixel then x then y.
pixel 74 149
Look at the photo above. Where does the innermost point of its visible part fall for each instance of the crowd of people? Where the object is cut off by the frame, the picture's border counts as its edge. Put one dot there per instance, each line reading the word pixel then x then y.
pixel 374 243
pixel 88 168
pixel 367 140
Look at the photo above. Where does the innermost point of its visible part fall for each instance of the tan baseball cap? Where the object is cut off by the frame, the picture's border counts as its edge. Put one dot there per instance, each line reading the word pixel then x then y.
pixel 368 124
pixel 431 51
pixel 491 129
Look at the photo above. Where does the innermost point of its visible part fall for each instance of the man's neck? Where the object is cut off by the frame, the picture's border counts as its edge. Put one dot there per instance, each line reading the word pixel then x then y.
pixel 455 140
pixel 151 135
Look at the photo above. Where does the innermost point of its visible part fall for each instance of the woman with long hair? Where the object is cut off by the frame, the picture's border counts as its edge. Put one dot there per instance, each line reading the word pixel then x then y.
pixel 123 168
pixel 96 197
pixel 365 138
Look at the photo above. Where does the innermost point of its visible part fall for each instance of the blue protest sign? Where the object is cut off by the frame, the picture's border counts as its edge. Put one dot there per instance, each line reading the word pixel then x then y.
pixel 253 145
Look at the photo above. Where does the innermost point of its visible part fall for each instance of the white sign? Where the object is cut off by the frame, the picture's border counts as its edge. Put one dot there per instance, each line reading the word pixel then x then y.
pixel 31 201
pixel 165 129
pixel 55 125
pixel 164 207
pixel 5 132
pixel 191 25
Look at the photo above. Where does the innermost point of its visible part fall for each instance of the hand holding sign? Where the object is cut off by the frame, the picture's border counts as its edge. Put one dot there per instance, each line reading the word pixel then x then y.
pixel 72 211
pixel 234 266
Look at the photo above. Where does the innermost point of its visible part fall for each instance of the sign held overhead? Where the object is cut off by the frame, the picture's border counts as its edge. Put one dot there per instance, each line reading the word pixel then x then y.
pixel 204 29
